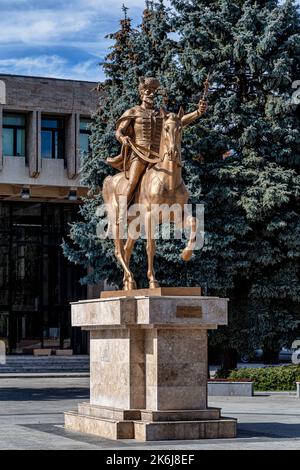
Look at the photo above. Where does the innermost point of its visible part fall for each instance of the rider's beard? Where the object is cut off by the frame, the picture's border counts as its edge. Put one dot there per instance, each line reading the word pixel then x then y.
pixel 149 100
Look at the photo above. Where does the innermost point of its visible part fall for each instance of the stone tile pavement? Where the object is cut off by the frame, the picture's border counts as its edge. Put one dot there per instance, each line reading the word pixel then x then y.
pixel 31 417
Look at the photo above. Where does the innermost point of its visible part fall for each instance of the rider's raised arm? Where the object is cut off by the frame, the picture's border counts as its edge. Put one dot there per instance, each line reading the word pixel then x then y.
pixel 122 127
pixel 189 118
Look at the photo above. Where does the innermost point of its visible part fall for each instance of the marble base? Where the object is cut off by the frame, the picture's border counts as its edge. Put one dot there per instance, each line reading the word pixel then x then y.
pixel 146 425
pixel 148 358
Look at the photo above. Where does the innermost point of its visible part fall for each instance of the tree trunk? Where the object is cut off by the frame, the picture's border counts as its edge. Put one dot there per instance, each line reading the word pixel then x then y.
pixel 229 360
pixel 271 356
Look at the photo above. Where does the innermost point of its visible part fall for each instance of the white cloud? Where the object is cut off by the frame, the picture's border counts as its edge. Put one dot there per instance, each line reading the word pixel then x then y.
pixel 31 64
pixel 31 22
pixel 88 70
pixel 52 66
pixel 34 27
pixel 57 38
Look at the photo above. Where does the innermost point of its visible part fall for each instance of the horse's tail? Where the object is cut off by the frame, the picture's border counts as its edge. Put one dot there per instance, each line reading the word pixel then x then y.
pixel 106 193
pixel 187 253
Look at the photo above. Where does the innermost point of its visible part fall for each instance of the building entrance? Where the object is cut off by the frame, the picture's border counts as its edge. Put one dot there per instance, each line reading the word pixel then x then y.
pixel 37 283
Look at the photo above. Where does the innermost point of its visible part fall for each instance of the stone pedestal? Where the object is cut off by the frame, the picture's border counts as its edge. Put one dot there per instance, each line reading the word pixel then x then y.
pixel 149 368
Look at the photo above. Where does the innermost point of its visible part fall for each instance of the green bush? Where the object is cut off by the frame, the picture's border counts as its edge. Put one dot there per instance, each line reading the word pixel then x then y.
pixel 276 378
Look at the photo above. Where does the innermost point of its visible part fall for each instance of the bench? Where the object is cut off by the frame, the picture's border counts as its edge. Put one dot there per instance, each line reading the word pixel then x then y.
pixel 64 352
pixel 42 352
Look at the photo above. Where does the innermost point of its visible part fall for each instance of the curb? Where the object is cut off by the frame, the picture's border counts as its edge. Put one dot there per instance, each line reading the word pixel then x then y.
pixel 35 375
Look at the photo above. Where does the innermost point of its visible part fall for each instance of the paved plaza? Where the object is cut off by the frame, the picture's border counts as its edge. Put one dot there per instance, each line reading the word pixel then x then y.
pixel 31 417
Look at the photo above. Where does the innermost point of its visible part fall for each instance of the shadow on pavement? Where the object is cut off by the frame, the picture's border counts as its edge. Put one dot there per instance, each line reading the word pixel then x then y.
pixel 269 430
pixel 43 394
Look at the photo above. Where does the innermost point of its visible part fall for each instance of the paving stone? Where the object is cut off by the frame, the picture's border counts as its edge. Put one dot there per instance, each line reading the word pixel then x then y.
pixel 31 417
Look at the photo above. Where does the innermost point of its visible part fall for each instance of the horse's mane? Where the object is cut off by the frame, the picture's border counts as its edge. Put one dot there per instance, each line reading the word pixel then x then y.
pixel 173 117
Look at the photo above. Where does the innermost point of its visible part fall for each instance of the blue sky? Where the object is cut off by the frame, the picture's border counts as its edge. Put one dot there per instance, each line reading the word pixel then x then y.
pixel 59 38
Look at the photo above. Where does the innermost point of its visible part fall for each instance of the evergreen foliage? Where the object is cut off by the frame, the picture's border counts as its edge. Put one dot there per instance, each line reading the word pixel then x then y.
pixel 241 160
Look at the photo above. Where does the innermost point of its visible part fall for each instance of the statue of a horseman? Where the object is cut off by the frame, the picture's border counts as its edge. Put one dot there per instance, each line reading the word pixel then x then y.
pixel 150 172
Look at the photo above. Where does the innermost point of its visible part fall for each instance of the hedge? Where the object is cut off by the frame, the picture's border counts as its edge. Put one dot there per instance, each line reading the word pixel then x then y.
pixel 275 378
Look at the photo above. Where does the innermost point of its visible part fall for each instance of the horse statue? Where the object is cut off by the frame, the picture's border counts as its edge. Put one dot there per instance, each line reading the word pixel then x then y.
pixel 161 184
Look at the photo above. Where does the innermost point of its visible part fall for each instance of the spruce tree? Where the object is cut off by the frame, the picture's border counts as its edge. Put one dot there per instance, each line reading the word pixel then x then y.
pixel 241 160
pixel 252 252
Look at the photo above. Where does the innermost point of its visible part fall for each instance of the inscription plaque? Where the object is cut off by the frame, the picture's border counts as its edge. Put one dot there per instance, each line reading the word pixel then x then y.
pixel 188 312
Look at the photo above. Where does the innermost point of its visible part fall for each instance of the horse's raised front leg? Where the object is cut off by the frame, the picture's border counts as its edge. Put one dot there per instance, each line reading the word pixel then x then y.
pixel 191 223
pixel 130 242
pixel 150 251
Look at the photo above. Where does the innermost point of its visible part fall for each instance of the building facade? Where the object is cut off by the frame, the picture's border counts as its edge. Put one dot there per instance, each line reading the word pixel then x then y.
pixel 43 131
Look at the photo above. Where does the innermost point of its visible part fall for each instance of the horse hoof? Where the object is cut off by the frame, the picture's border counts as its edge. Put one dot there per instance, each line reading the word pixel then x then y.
pixel 187 254
pixel 153 284
pixel 131 285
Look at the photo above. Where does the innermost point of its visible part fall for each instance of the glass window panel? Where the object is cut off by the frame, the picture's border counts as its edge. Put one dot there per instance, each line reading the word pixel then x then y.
pixel 4 318
pixel 27 330
pixel 28 213
pixel 84 124
pixel 4 239
pixel 25 276
pixel 20 142
pixel 4 275
pixel 27 222
pixel 8 142
pixel 52 123
pixel 53 291
pixel 4 216
pixel 52 219
pixel 46 144
pixel 84 142
pixel 60 123
pixel 61 147
pixel 13 119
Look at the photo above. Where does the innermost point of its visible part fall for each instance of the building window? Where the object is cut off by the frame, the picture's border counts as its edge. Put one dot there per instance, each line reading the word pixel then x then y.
pixel 53 137
pixel 85 135
pixel 14 135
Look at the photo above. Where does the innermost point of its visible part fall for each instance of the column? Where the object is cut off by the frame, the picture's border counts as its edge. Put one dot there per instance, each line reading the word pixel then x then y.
pixel 176 369
pixel 77 143
pixel 72 145
pixel 34 143
pixel 118 368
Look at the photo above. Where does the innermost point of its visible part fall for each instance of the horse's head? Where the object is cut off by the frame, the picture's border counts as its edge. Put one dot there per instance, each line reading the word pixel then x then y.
pixel 172 135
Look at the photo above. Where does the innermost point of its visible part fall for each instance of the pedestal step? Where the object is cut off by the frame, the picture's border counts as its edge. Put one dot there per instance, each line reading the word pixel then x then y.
pixel 147 415
pixel 108 413
pixel 180 415
pixel 185 430
pixel 146 425
pixel 107 428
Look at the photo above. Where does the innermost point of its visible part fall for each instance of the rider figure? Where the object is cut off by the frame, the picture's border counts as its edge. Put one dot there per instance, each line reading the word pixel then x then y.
pixel 139 132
